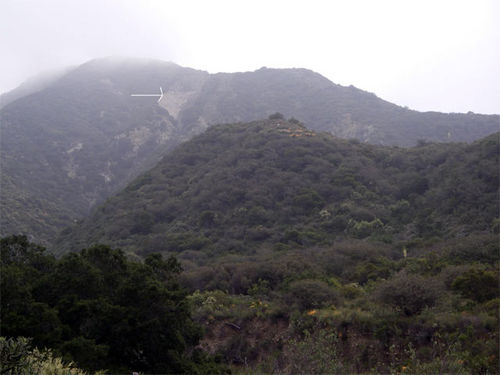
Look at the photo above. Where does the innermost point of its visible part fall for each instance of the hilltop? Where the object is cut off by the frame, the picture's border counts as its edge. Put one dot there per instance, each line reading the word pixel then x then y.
pixel 274 183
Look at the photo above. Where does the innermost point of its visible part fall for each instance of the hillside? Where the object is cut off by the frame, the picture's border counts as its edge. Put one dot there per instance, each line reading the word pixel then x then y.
pixel 68 142
pixel 32 85
pixel 321 105
pixel 306 253
pixel 275 184
pixel 300 253
pixel 77 141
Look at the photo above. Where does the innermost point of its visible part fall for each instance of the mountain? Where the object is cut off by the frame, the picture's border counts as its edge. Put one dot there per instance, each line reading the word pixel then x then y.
pixel 69 142
pixel 72 144
pixel 32 85
pixel 321 105
pixel 275 184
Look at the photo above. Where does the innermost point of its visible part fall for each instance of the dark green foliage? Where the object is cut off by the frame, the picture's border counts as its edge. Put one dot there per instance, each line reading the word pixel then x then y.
pixel 384 312
pixel 363 229
pixel 306 201
pixel 479 285
pixel 18 357
pixel 276 116
pixel 13 355
pixel 311 294
pixel 99 309
pixel 315 354
pixel 409 294
pixel 275 184
pixel 379 268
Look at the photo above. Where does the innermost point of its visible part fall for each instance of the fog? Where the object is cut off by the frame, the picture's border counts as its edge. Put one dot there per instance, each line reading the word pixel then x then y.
pixel 427 55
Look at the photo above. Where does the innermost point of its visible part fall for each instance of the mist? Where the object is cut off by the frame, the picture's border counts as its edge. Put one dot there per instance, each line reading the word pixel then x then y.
pixel 427 55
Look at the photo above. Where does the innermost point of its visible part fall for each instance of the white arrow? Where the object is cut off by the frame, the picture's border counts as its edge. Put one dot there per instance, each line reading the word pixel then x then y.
pixel 161 94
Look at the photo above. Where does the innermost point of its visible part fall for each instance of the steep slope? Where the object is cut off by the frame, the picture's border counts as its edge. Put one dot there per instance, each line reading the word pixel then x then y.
pixel 69 143
pixel 32 85
pixel 346 112
pixel 75 142
pixel 239 187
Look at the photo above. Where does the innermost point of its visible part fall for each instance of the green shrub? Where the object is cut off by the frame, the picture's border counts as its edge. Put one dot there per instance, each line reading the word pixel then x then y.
pixel 310 294
pixel 352 290
pixel 364 228
pixel 409 294
pixel 276 116
pixel 478 285
pixel 495 226
pixel 316 353
pixel 17 357
pixel 380 268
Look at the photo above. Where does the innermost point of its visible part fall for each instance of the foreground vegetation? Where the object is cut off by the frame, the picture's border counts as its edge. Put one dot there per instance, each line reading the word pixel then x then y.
pixel 18 357
pixel 354 307
pixel 100 310
pixel 268 248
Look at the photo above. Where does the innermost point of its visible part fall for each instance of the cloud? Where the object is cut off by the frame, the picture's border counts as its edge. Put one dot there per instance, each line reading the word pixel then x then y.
pixel 437 55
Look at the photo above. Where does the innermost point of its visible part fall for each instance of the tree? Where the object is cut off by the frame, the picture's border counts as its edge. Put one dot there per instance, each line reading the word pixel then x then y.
pixel 99 309
pixel 276 116
pixel 310 294
pixel 409 294
pixel 478 285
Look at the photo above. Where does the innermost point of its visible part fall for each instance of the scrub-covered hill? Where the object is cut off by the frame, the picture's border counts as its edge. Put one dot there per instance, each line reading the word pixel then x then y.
pixel 276 184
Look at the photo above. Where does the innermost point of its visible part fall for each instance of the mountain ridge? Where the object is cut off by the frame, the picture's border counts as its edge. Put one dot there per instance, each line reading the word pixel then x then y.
pixel 82 138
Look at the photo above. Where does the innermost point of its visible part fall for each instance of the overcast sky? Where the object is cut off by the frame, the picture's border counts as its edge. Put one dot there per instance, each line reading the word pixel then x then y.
pixel 428 55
